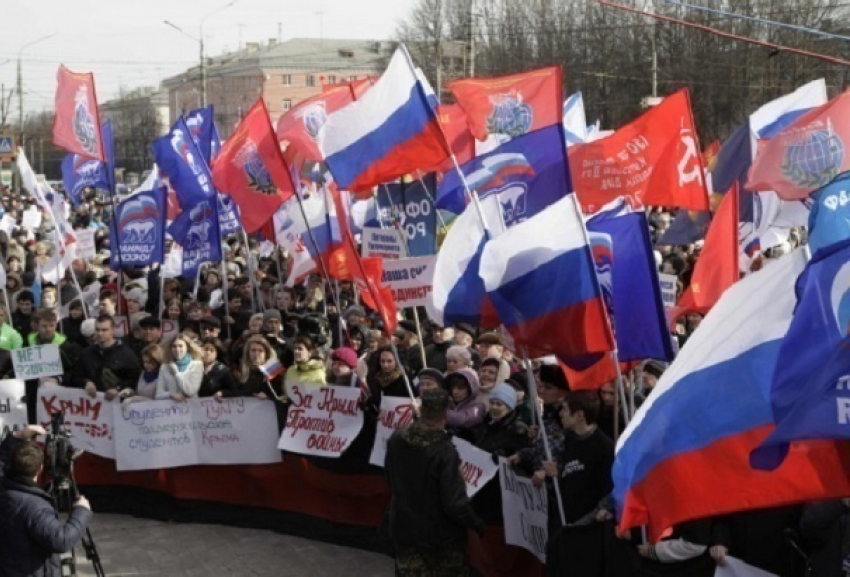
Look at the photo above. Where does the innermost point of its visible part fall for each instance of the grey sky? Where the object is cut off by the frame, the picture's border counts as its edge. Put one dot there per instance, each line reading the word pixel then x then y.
pixel 126 44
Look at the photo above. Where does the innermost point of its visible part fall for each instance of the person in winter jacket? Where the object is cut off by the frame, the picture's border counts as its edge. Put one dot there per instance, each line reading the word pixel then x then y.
pixel 388 380
pixel 31 534
pixel 152 356
pixel 10 339
pixel 217 376
pixel 252 381
pixel 467 411
pixel 181 374
pixel 107 365
pixel 307 369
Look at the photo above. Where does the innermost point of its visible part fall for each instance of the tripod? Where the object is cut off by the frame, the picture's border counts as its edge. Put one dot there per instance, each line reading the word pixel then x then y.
pixel 64 492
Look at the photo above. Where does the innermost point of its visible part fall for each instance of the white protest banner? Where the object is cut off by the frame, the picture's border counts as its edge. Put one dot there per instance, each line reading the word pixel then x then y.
pixel 383 242
pixel 13 409
pixel 170 329
pixel 396 413
pixel 477 466
pixel 85 243
pixel 410 279
pixel 37 361
pixel 31 219
pixel 7 224
pixel 322 420
pixel 736 568
pixel 162 434
pixel 122 326
pixel 668 289
pixel 89 419
pixel 525 511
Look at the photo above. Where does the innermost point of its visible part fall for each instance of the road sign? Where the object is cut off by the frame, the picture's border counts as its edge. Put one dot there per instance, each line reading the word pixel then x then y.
pixel 7 147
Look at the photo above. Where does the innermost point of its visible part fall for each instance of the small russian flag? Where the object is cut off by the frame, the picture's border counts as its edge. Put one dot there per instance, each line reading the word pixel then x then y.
pixel 272 369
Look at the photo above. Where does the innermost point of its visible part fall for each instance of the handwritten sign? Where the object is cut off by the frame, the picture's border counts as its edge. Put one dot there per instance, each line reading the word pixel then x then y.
pixel 477 466
pixel 525 511
pixel 122 326
pixel 170 329
pixel 89 419
pixel 668 289
pixel 13 409
pixel 396 414
pixel 37 361
pixel 382 242
pixel 411 280
pixel 85 243
pixel 322 420
pixel 161 434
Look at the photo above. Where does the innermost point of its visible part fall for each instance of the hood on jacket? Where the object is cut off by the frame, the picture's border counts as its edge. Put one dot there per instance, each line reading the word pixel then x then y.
pixel 420 435
pixel 471 378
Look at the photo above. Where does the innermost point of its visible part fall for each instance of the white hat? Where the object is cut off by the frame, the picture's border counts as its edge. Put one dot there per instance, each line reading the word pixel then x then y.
pixel 137 295
pixel 87 328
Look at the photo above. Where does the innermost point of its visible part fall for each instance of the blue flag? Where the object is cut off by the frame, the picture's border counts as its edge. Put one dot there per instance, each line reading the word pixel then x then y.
pixel 228 215
pixel 626 270
pixel 80 172
pixel 411 205
pixel 528 174
pixel 686 228
pixel 200 124
pixel 215 145
pixel 141 229
pixel 829 219
pixel 180 159
pixel 810 392
pixel 196 230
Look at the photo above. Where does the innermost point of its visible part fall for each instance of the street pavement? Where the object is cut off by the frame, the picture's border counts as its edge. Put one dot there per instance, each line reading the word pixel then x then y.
pixel 129 546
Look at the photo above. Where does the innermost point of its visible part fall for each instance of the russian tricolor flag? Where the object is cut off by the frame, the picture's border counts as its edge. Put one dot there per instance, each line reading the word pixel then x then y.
pixel 272 369
pixel 541 279
pixel 389 132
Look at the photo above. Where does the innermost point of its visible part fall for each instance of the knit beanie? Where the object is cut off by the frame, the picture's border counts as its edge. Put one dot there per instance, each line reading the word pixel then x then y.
pixel 346 356
pixel 505 393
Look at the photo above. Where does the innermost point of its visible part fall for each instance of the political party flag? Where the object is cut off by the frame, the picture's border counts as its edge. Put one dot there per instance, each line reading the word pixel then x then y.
pixel 511 105
pixel 575 122
pixel 544 287
pixel 717 268
pixel 140 230
pixel 196 231
pixel 526 174
pixel 391 131
pixel 410 205
pixel 81 172
pixel 681 458
pixel 653 160
pixel 810 392
pixel 250 168
pixel 829 220
pixel 182 163
pixel 628 277
pixel 228 216
pixel 805 155
pixel 77 120
pixel 201 126
pixel 299 129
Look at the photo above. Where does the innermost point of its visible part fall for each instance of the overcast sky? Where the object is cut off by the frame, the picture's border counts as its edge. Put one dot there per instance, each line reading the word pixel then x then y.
pixel 126 44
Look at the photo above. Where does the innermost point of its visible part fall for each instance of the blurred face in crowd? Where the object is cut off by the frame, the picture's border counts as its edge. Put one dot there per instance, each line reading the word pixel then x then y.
pixel 14 265
pixel 356 342
pixel 235 304
pixel 454 363
pixel 48 298
pixel 302 353
pixel 374 343
pixel 460 391
pixel 463 339
pixel 649 381
pixel 487 350
pixel 498 409
pixel 426 384
pixel 208 330
pixel 151 335
pixel 340 369
pixel 178 349
pixel 75 313
pixel 174 312
pixel 209 354
pixel 487 374
pixel 568 419
pixel 187 302
pixel 257 354
pixel 255 325
pixel 608 394
pixel 104 334
pixel 2 317
pixel 550 394
pixel 169 292
pixel 442 335
pixel 694 320
pixel 149 364
pixel 107 307
pixel 25 306
pixel 212 281
pixel 133 307
pixel 667 268
pixel 387 362
pixel 46 329
pixel 283 300
pixel 195 313
pixel 273 325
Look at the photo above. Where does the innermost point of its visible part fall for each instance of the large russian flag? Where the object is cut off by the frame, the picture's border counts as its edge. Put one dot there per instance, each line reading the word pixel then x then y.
pixel 389 132
pixel 685 455
pixel 541 279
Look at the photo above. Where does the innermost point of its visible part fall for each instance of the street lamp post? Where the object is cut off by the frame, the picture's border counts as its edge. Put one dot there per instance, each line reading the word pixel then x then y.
pixel 21 84
pixel 200 41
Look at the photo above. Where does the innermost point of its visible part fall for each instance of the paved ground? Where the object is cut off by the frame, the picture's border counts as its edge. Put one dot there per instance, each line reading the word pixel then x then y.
pixel 129 546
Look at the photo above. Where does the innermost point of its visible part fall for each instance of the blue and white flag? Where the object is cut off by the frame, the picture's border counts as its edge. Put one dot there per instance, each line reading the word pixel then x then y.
pixel 182 162
pixel 81 172
pixel 829 220
pixel 228 215
pixel 412 206
pixel 141 229
pixel 575 122
pixel 200 124
pixel 196 231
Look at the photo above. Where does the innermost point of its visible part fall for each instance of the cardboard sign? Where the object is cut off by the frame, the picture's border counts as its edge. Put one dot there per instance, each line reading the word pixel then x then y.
pixel 122 326
pixel 396 414
pixel 7 224
pixel 13 408
pixel 668 289
pixel 322 420
pixel 525 511
pixel 37 361
pixel 170 329
pixel 477 466
pixel 89 419
pixel 31 219
pixel 410 279
pixel 85 245
pixel 161 434
pixel 382 242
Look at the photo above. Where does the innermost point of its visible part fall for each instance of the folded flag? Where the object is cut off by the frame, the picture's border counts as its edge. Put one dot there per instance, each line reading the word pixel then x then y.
pixel 544 286
pixel 272 369
pixel 391 131
pixel 77 120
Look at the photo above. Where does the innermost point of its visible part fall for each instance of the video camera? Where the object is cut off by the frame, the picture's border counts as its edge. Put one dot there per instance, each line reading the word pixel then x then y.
pixel 60 454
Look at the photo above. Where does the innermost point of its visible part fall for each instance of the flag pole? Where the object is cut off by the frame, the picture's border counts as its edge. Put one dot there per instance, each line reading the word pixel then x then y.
pixel 251 278
pixel 431 198
pixel 403 372
pixel 226 300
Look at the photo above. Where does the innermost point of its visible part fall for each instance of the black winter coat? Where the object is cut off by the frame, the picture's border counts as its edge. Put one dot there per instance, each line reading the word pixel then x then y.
pixel 31 534
pixel 435 355
pixel 218 378
pixel 116 367
pixel 429 509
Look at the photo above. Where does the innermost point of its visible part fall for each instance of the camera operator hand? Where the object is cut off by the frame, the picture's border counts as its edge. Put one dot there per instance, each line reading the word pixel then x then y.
pixel 82 502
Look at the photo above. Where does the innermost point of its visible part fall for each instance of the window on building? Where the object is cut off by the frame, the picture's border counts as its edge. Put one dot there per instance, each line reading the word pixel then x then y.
pixel 286 104
pixel 311 80
pixel 331 79
pixel 287 79
pixel 352 78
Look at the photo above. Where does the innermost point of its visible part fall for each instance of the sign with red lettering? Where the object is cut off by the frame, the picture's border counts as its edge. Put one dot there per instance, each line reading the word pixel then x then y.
pixel 88 419
pixel 477 466
pixel 322 419
pixel 411 280
pixel 170 329
pixel 396 413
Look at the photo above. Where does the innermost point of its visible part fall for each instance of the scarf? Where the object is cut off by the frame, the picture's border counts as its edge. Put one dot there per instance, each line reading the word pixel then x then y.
pixel 385 379
pixel 150 376
pixel 183 364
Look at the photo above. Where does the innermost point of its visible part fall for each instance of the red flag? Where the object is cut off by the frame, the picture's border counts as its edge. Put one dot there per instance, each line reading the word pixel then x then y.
pixel 806 155
pixel 717 266
pixel 298 129
pixel 654 160
pixel 454 125
pixel 250 168
pixel 593 377
pixel 76 126
pixel 512 105
pixel 356 87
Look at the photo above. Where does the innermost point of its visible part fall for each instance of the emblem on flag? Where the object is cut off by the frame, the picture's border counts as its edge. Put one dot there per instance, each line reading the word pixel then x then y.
pixel 815 159
pixel 197 236
pixel 259 178
pixel 84 124
pixel 510 115
pixel 314 117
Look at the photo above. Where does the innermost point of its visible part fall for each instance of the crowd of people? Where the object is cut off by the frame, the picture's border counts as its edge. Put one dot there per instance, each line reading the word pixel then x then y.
pixel 224 327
